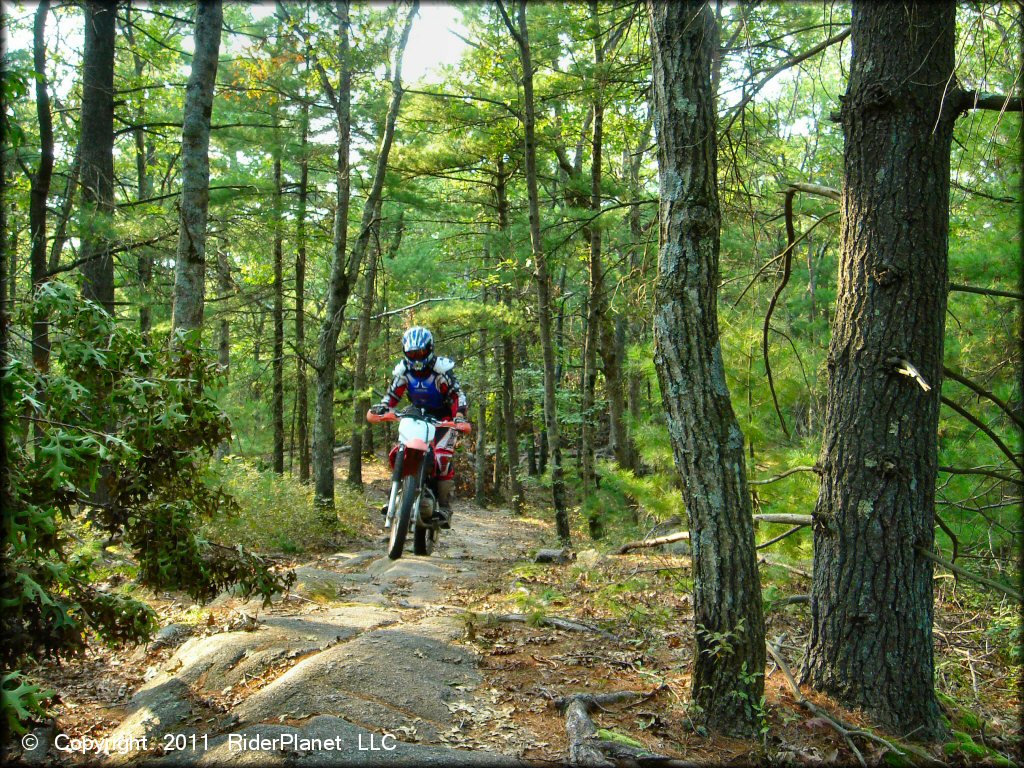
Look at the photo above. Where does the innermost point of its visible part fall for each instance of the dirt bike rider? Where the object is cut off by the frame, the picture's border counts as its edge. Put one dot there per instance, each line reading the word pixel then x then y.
pixel 430 383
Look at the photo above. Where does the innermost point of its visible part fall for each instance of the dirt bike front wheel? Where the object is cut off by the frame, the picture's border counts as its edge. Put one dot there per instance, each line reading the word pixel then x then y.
pixel 423 539
pixel 400 524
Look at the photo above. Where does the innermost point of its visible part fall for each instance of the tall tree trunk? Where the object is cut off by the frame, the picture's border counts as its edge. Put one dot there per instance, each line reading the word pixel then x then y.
pixel 277 364
pixel 707 443
pixel 39 192
pixel 301 382
pixel 540 273
pixel 224 289
pixel 508 364
pixel 190 258
pixel 322 460
pixel 613 349
pixel 97 142
pixel 871 606
pixel 480 486
pixel 342 273
pixel 144 153
pixel 595 302
pixel 361 401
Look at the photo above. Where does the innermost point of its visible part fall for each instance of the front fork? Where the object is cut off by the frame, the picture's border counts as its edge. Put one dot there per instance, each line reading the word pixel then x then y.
pixel 396 483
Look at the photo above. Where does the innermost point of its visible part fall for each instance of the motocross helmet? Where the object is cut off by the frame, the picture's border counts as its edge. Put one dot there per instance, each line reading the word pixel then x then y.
pixel 418 347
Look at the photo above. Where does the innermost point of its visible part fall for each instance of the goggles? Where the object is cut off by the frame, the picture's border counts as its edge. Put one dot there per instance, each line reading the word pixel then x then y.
pixel 418 354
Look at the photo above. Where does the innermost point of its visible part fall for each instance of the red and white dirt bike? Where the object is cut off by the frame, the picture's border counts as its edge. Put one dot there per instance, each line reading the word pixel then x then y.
pixel 413 496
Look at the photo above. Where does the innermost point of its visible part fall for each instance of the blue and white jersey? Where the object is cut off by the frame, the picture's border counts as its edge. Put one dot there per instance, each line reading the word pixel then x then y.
pixel 438 392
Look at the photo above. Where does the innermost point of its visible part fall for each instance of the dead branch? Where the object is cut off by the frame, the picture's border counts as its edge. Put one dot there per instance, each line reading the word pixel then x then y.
pixel 786 271
pixel 985 291
pixel 984 428
pixel 780 537
pixel 982 392
pixel 817 189
pixel 791 600
pixel 997 102
pixel 556 622
pixel 982 471
pixel 791 519
pixel 656 541
pixel 1008 591
pixel 787 473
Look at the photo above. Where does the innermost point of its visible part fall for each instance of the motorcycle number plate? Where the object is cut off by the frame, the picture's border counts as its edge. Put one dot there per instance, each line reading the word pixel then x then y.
pixel 413 429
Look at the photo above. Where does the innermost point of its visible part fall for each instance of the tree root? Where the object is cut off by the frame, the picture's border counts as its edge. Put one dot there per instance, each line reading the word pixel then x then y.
pixel 847 730
pixel 557 622
pixel 587 748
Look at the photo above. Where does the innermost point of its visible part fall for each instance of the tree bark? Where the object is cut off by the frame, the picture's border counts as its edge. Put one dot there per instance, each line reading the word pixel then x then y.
pixel 540 273
pixel 707 443
pixel 39 192
pixel 342 273
pixel 97 146
pixel 361 401
pixel 302 383
pixel 480 487
pixel 277 395
pixel 871 606
pixel 190 258
pixel 595 303
pixel 508 365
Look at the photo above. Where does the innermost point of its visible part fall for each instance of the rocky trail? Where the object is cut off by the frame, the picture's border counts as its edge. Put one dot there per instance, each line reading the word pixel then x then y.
pixel 360 663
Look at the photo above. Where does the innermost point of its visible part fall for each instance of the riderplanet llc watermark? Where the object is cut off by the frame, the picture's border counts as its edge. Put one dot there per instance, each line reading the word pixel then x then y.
pixel 295 742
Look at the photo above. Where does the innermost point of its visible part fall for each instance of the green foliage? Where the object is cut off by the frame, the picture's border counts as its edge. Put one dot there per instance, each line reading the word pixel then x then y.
pixel 21 701
pixel 116 435
pixel 276 512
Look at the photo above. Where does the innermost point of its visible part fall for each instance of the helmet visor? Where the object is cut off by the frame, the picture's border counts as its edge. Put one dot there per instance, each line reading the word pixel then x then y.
pixel 418 354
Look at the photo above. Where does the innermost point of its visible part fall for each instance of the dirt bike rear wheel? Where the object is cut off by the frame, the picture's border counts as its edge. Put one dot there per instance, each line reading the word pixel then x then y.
pixel 400 525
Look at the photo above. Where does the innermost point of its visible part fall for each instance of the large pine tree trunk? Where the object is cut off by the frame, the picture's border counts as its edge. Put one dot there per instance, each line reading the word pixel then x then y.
pixel 190 259
pixel 97 158
pixel 871 604
pixel 707 443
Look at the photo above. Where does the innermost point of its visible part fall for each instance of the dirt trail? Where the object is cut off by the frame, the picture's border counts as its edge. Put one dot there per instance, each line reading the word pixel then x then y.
pixel 361 663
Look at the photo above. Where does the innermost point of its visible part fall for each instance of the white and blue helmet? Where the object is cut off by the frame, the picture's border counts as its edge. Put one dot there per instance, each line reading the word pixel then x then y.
pixel 418 347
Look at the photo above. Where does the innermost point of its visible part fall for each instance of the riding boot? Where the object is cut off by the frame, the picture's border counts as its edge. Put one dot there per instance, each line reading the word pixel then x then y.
pixel 444 501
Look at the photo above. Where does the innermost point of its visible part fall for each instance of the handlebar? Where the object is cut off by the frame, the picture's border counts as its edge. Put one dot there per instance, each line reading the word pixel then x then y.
pixel 458 426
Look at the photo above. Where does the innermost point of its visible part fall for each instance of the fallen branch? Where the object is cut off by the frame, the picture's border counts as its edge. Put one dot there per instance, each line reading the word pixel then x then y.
pixel 766 561
pixel 549 621
pixel 791 519
pixel 1008 591
pixel 791 600
pixel 787 473
pixel 656 541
